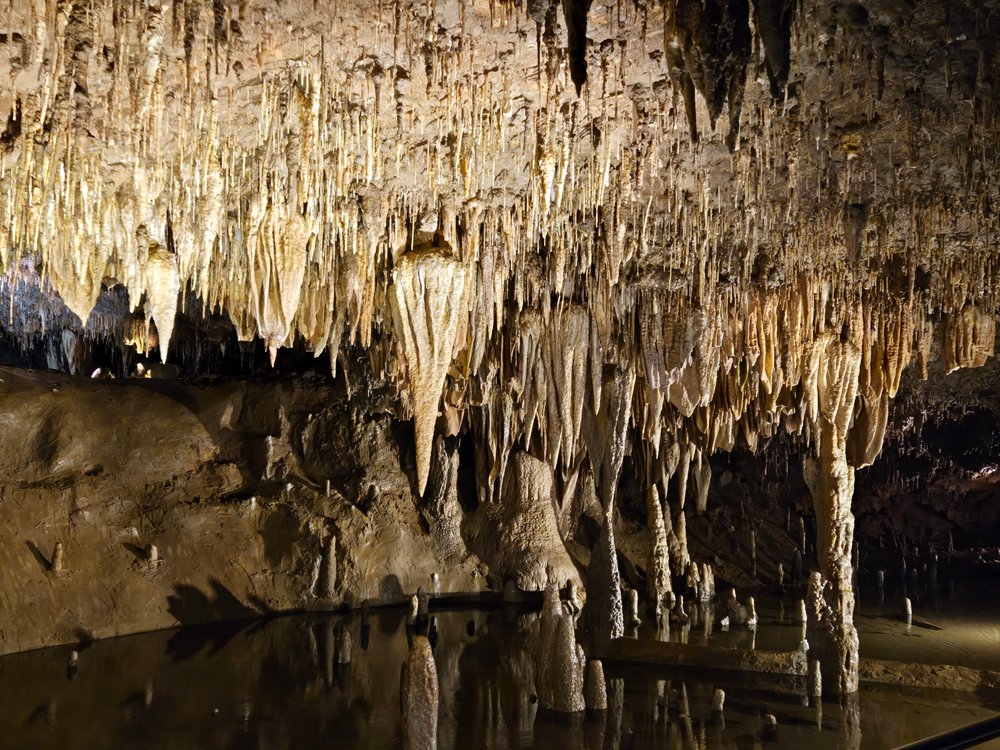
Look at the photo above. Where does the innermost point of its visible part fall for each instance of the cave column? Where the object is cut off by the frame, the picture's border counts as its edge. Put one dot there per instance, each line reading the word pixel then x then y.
pixel 831 482
pixel 832 388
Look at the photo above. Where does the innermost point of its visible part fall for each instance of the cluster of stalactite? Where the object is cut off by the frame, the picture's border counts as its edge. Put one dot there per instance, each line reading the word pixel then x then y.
pixel 572 277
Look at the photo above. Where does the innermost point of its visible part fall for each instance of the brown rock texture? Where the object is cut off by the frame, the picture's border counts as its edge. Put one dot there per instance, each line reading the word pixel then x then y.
pixel 227 481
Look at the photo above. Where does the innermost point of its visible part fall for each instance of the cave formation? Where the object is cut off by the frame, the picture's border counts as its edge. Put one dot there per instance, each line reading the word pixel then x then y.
pixel 495 295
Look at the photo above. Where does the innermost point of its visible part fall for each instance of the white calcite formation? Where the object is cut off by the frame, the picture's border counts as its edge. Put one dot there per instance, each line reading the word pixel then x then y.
pixel 428 306
pixel 517 535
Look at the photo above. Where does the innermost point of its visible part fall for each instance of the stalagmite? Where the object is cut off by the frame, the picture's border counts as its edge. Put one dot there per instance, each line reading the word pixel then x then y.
pixel 428 304
pixel 659 561
pixel 605 614
pixel 420 697
pixel 57 558
pixel 632 618
pixel 329 568
pixel 574 603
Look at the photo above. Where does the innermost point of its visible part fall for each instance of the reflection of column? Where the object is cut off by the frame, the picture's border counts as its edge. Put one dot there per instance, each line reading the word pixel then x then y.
pixel 329 649
pixel 851 707
pixel 448 656
pixel 420 698
pixel 616 703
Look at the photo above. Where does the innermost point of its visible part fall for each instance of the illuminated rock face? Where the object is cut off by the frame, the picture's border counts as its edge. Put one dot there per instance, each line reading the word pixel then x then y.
pixel 258 497
pixel 495 222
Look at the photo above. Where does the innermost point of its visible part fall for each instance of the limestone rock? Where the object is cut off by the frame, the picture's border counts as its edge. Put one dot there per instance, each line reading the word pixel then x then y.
pixel 518 536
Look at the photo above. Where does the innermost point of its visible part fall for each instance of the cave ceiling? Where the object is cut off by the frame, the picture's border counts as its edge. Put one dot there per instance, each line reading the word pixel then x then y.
pixel 547 221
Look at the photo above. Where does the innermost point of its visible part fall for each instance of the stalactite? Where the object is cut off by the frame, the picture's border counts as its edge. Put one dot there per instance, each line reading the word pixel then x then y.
pixel 575 12
pixel 567 281
pixel 428 304
pixel 162 287
pixel 969 338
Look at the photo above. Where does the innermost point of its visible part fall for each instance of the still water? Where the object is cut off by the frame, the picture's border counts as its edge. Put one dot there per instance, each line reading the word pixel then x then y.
pixel 958 624
pixel 276 685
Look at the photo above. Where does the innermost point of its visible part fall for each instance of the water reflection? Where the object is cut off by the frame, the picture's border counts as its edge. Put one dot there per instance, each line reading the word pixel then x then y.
pixel 286 684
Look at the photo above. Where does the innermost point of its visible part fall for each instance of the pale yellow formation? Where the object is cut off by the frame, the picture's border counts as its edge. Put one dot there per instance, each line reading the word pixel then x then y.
pixel 429 309
pixel 659 555
pixel 162 287
pixel 278 248
pixel 969 338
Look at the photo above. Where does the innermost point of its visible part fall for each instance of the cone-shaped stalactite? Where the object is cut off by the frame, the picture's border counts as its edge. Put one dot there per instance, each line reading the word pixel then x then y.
pixel 595 288
pixel 429 307
pixel 575 12
pixel 708 46
pixel 773 23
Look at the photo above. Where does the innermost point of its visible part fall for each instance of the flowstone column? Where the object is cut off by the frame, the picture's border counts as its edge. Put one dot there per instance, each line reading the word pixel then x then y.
pixel 830 389
pixel 831 482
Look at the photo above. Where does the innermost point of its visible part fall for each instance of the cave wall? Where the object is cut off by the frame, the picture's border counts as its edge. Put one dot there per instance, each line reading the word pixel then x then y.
pixel 227 480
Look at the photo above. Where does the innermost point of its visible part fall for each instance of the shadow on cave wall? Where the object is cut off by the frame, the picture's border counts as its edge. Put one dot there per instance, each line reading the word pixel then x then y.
pixel 191 607
pixel 227 614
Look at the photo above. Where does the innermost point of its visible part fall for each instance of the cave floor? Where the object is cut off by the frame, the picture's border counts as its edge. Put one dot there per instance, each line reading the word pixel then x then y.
pixel 276 683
